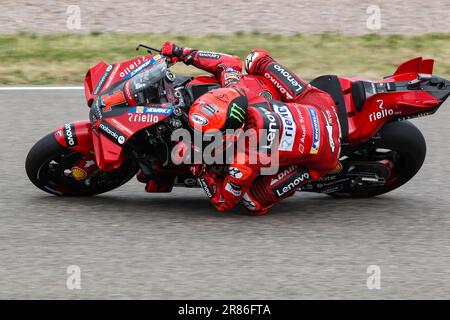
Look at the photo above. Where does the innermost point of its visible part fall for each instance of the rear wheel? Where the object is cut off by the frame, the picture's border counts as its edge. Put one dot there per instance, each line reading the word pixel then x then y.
pixel 49 166
pixel 396 157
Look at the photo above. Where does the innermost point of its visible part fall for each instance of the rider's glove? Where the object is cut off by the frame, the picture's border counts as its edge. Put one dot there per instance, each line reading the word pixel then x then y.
pixel 171 50
pixel 256 61
pixel 176 53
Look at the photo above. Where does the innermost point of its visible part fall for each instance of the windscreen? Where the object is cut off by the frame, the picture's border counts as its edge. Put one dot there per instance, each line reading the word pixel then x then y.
pixel 149 75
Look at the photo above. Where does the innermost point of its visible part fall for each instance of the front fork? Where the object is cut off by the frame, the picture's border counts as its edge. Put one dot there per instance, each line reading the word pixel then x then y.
pixel 77 136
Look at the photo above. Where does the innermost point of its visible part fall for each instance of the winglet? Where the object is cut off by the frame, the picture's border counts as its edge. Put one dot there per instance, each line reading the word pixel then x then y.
pixel 409 66
pixel 426 66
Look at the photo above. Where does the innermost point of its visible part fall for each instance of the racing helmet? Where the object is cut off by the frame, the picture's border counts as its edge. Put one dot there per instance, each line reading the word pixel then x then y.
pixel 219 109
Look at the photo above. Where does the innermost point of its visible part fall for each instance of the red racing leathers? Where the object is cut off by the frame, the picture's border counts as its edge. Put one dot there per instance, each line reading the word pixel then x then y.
pixel 304 144
pixel 227 69
pixel 302 133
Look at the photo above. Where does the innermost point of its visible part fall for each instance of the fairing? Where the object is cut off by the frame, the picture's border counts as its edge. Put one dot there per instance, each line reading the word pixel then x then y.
pixel 382 105
pixel 109 130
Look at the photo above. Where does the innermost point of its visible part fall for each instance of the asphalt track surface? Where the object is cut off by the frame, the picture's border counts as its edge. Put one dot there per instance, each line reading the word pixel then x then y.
pixel 130 244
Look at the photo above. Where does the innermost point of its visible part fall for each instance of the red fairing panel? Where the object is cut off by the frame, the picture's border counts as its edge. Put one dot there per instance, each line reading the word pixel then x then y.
pixel 102 76
pixel 108 155
pixel 112 132
pixel 384 107
pixel 76 136
pixel 92 78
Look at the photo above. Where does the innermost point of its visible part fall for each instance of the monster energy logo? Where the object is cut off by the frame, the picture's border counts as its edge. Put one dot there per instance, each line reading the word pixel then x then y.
pixel 237 113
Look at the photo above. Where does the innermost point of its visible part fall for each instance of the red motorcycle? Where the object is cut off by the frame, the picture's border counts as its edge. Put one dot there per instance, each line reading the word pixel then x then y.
pixel 380 150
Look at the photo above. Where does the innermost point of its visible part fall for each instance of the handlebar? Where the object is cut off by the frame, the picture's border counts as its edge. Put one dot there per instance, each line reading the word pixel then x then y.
pixel 149 49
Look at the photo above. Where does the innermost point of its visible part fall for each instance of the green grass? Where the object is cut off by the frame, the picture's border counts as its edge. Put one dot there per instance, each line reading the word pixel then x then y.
pixel 64 59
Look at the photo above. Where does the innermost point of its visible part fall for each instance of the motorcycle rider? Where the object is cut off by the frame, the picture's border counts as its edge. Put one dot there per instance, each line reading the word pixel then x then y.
pixel 307 131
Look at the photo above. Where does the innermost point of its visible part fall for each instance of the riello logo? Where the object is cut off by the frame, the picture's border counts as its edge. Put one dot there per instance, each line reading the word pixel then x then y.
pixel 383 113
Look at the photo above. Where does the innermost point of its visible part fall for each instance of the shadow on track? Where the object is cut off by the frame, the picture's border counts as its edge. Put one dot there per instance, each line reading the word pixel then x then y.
pixel 301 206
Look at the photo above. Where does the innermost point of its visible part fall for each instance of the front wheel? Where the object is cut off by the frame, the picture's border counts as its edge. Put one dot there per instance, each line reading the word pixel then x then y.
pixel 398 154
pixel 50 167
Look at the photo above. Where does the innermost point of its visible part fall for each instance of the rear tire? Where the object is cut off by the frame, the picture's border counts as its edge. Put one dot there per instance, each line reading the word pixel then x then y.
pixel 409 146
pixel 47 160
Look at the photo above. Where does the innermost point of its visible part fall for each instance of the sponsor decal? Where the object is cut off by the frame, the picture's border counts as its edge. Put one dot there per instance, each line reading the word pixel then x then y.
pixel 130 73
pixel 112 133
pixel 292 184
pixel 377 115
pixel 204 185
pixel 235 172
pixel 209 55
pixel 143 117
pixel 78 173
pixel 199 119
pixel 102 80
pixel 248 203
pixel 231 76
pixel 167 111
pixel 59 133
pixel 113 74
pixel 289 128
pixel 301 148
pixel 209 110
pixel 232 188
pixel 128 70
pixel 237 113
pixel 301 120
pixel 280 88
pixel 316 131
pixel 288 79
pixel 70 135
pixel 272 128
pixel 330 129
pixel 120 126
pixel 137 110
pixel 283 174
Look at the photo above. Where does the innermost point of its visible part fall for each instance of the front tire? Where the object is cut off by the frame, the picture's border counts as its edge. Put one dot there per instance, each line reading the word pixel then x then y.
pixel 47 164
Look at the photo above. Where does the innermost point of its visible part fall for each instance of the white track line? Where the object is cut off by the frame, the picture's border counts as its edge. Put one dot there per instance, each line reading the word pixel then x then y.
pixel 39 88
